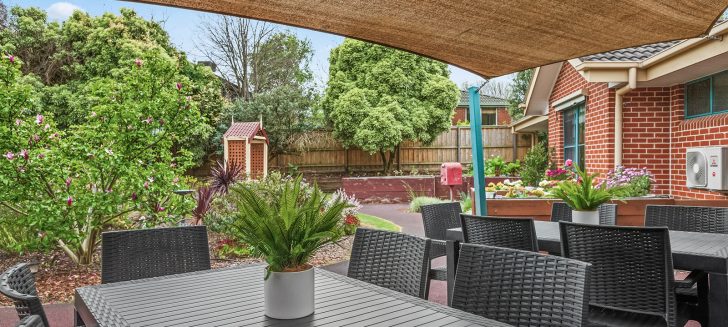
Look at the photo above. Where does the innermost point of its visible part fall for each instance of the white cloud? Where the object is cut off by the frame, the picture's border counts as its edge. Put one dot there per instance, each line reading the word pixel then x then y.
pixel 61 10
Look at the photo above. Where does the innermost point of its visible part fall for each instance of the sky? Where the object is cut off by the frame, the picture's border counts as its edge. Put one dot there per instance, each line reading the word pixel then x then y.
pixel 182 26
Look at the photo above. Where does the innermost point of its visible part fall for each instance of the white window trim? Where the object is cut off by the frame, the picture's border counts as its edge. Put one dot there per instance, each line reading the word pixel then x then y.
pixel 570 100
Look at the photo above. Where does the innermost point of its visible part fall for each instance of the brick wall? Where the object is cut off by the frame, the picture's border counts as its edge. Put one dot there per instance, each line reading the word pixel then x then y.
pixel 646 118
pixel 703 131
pixel 504 119
pixel 460 114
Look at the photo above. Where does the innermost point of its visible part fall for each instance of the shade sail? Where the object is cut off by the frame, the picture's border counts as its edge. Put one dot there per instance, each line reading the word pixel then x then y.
pixel 487 37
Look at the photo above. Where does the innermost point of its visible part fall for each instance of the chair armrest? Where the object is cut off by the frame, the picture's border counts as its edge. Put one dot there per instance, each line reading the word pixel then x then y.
pixel 691 279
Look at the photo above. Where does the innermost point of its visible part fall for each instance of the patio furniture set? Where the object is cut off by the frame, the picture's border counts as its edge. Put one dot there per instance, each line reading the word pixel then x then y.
pixel 602 275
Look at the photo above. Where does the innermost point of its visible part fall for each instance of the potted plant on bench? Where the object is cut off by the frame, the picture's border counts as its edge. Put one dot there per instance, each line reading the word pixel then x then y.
pixel 583 195
pixel 286 229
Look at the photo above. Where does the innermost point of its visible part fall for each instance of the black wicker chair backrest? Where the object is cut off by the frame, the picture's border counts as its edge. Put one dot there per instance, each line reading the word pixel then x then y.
pixel 632 266
pixel 144 253
pixel 396 261
pixel 513 233
pixel 31 321
pixel 18 284
pixel 521 288
pixel 438 218
pixel 560 211
pixel 689 219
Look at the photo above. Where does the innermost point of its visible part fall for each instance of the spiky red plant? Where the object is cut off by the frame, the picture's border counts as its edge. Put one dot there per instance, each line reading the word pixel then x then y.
pixel 203 200
pixel 223 176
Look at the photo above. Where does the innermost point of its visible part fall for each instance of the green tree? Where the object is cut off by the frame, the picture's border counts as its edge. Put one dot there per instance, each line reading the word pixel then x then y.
pixel 377 97
pixel 72 184
pixel 518 91
pixel 67 56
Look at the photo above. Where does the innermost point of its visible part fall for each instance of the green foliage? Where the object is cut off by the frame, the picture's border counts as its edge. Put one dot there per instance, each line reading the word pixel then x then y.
pixel 519 89
pixel 68 57
pixel 512 168
pixel 466 202
pixel 582 194
pixel 417 202
pixel 535 164
pixel 121 158
pixel 289 230
pixel 377 97
pixel 494 166
pixel 375 222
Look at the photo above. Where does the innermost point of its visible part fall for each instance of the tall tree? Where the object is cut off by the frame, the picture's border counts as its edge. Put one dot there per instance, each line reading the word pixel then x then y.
pixel 3 15
pixel 519 89
pixel 254 57
pixel 378 97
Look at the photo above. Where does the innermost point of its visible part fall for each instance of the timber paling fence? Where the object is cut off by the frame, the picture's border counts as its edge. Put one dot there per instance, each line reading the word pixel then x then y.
pixel 323 154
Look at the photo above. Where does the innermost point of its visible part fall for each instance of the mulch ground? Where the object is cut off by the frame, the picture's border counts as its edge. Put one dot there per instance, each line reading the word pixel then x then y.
pixel 58 276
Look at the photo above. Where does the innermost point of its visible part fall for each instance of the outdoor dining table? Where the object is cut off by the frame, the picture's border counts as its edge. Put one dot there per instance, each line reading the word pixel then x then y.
pixel 690 251
pixel 234 297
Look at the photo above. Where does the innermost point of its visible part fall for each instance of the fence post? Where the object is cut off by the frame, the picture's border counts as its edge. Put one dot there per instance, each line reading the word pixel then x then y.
pixel 457 143
pixel 346 160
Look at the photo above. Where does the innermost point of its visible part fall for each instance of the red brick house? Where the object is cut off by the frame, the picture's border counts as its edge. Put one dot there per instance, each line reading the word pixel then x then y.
pixel 638 107
pixel 493 110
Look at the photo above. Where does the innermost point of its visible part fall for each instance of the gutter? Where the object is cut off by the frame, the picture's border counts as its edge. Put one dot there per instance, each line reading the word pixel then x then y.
pixel 618 105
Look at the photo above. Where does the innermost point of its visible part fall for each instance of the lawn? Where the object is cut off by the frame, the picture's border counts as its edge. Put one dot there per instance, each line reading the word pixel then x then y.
pixel 377 223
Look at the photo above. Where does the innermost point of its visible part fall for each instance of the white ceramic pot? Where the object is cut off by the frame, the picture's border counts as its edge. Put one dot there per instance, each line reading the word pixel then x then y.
pixel 289 295
pixel 490 195
pixel 585 217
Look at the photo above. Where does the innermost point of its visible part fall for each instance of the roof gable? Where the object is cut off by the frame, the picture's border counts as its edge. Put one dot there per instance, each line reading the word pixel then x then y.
pixel 485 100
pixel 243 129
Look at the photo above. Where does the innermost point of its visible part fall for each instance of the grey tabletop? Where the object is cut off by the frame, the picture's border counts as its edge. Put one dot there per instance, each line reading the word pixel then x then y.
pixel 691 250
pixel 234 297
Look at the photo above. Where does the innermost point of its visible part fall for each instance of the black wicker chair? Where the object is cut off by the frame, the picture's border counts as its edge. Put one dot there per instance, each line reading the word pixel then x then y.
pixel 437 219
pixel 392 260
pixel 560 211
pixel 18 284
pixel 632 280
pixel 31 321
pixel 694 288
pixel 513 233
pixel 521 288
pixel 144 253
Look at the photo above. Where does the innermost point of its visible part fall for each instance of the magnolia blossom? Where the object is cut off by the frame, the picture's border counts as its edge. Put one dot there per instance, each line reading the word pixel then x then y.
pixel 10 155
pixel 36 137
pixel 18 122
pixel 149 120
pixel 138 62
pixel 41 156
pixel 146 184
pixel 68 182
pixel 24 153
pixel 11 58
pixel 46 127
pixel 39 119
pixel 134 196
pixel 179 86
pixel 69 202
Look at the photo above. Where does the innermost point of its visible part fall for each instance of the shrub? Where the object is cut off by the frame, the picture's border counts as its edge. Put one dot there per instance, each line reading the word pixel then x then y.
pixel 494 166
pixel 417 203
pixel 534 165
pixel 582 194
pixel 466 202
pixel 225 175
pixel 512 168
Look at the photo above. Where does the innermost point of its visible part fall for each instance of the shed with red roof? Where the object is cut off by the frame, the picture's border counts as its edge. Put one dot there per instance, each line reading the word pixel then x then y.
pixel 246 144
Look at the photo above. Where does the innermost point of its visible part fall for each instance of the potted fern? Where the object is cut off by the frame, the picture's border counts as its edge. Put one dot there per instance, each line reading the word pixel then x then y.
pixel 286 229
pixel 583 196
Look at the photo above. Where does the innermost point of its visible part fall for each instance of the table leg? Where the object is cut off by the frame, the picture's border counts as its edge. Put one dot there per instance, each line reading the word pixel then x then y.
pixel 452 249
pixel 718 299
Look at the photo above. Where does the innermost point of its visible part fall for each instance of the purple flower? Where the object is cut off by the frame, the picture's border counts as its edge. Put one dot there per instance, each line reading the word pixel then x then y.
pixel 68 182
pixel 18 122
pixel 10 155
pixel 24 154
pixel 146 184
pixel 69 202
pixel 138 62
pixel 36 138
pixel 179 86
pixel 11 58
pixel 134 196
pixel 39 119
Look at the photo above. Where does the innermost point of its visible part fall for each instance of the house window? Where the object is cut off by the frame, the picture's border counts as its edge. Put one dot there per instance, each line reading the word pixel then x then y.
pixel 707 96
pixel 574 119
pixel 489 118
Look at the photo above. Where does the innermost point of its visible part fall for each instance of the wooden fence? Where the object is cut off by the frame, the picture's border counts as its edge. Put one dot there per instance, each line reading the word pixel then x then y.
pixel 324 154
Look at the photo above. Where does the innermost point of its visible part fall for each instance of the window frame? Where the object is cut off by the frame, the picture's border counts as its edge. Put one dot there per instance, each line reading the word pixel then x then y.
pixel 577 109
pixel 710 97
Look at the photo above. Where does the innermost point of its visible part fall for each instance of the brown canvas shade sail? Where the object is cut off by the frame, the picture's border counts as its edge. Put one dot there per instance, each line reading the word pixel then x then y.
pixel 487 37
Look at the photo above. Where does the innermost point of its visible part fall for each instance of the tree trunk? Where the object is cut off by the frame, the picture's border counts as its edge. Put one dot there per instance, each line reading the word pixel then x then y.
pixel 384 161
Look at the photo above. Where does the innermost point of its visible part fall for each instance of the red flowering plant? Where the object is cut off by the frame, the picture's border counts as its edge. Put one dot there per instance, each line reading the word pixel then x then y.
pixel 122 160
pixel 350 221
pixel 562 173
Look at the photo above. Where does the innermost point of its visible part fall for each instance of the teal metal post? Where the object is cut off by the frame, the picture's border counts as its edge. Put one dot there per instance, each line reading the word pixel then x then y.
pixel 476 140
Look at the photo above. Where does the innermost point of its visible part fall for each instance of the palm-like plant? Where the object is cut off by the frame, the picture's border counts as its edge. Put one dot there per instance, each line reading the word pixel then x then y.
pixel 225 175
pixel 286 232
pixel 582 195
pixel 203 200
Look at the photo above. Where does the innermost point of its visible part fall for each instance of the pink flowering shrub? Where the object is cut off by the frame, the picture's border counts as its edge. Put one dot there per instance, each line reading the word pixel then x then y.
pixel 125 157
pixel 562 173
pixel 636 181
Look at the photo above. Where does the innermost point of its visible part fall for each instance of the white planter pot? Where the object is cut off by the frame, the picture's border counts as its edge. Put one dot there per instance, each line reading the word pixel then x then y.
pixel 289 295
pixel 490 195
pixel 585 217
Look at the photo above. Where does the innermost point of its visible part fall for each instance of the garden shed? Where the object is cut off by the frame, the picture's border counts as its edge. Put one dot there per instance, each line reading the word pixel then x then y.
pixel 246 144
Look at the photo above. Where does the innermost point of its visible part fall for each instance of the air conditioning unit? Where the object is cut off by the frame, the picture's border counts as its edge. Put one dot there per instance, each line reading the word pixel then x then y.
pixel 707 168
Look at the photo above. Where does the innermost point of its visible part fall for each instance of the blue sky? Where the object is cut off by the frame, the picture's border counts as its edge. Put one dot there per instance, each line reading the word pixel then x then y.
pixel 182 25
